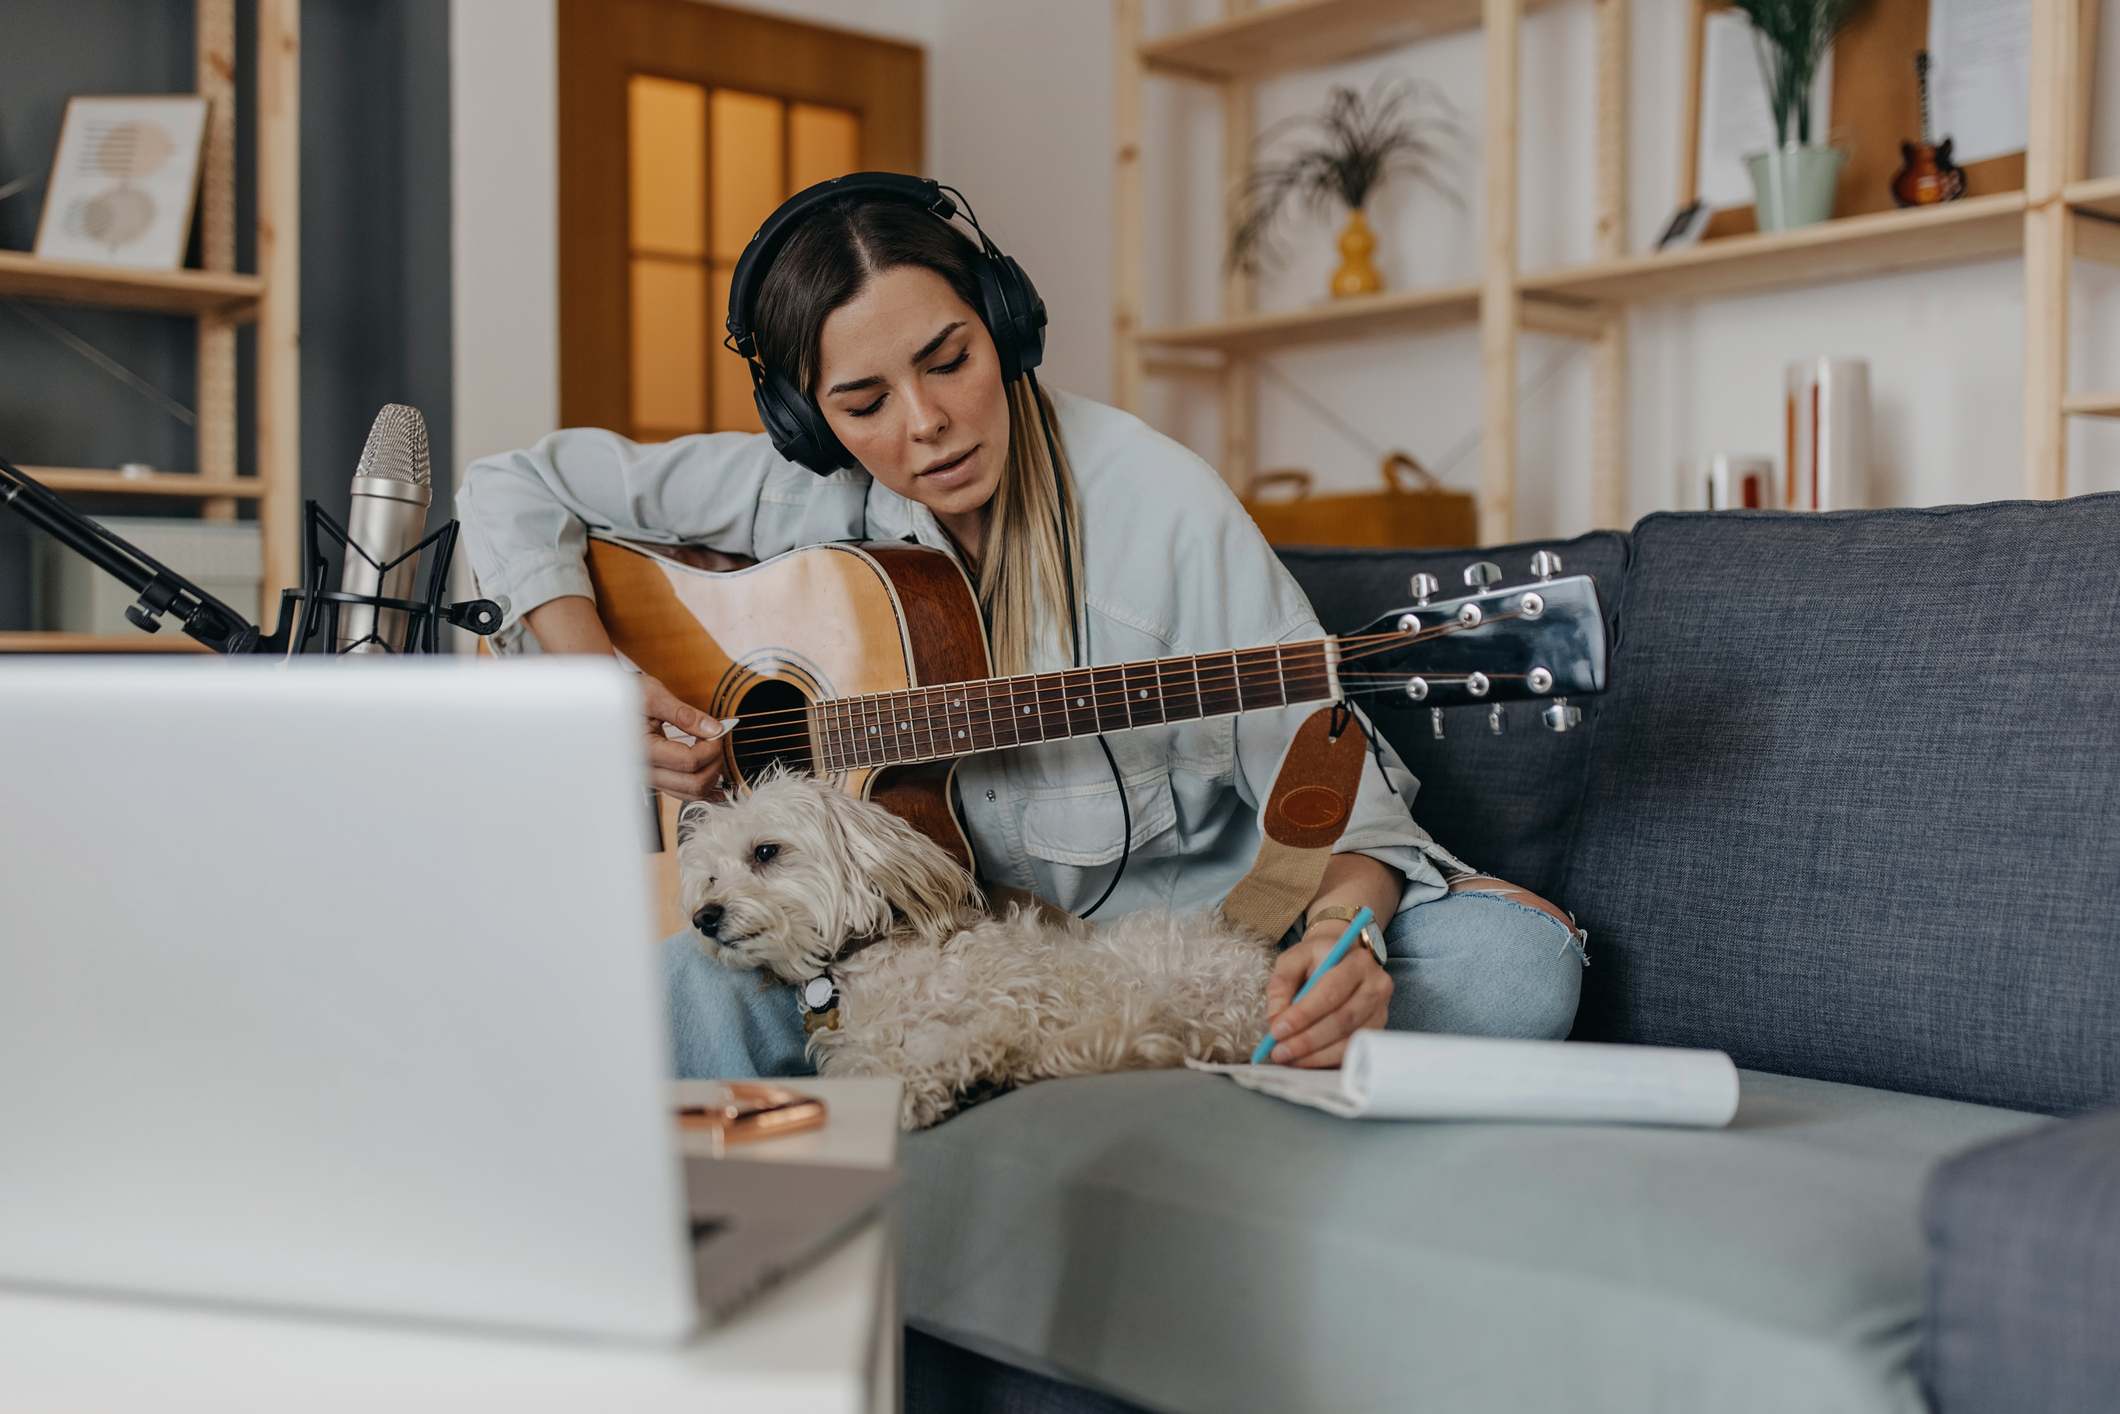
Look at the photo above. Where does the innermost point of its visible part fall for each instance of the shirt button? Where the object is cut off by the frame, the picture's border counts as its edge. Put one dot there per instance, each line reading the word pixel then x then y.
pixel 989 795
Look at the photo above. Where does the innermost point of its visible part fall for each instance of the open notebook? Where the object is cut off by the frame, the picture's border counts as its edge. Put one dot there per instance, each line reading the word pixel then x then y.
pixel 1409 1075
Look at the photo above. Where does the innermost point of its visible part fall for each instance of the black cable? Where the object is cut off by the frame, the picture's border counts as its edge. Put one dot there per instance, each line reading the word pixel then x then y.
pixel 1074 629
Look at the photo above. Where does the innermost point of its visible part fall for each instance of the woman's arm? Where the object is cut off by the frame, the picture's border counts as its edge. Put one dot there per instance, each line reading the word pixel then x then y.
pixel 569 624
pixel 526 513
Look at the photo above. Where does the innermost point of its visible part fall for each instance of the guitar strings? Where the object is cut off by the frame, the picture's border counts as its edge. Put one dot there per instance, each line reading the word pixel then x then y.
pixel 1352 646
pixel 1226 680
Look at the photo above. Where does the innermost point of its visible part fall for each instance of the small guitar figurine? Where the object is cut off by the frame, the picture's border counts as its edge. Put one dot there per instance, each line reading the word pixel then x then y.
pixel 1928 175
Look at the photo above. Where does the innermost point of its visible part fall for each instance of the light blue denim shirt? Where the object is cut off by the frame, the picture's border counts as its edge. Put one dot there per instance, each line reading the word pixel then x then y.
pixel 1171 565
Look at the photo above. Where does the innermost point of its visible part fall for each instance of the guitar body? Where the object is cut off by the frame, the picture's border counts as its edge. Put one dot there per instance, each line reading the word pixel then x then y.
pixel 762 641
pixel 1927 175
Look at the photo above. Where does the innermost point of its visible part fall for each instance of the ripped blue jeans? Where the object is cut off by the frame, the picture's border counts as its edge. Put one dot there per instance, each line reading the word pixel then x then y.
pixel 1485 959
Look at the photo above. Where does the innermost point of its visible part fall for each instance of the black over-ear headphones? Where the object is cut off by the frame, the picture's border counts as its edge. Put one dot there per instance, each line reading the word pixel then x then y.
pixel 1009 306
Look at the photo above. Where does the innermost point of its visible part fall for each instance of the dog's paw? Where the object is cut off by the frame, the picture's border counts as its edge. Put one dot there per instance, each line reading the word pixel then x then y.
pixel 922 1108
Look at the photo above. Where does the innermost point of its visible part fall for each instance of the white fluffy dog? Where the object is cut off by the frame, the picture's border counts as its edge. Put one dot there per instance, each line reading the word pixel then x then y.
pixel 799 879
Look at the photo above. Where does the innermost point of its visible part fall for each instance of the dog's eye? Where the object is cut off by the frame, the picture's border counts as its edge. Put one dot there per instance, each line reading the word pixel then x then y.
pixel 764 853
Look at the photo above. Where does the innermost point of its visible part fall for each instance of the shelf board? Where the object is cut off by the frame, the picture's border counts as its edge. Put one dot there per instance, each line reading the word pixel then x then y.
pixel 1301 34
pixel 2093 404
pixel 169 640
pixel 160 291
pixel 1832 250
pixel 2100 196
pixel 1399 311
pixel 77 480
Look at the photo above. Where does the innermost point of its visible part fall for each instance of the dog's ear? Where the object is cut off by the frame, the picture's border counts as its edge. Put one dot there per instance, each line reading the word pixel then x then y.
pixel 689 816
pixel 911 875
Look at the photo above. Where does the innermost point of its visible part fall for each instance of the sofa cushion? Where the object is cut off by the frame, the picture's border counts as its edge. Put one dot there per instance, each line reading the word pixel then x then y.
pixel 1505 804
pixel 2024 1273
pixel 1177 1241
pixel 1854 799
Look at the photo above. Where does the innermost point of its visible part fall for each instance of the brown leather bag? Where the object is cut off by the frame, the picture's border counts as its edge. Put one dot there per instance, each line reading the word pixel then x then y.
pixel 1412 510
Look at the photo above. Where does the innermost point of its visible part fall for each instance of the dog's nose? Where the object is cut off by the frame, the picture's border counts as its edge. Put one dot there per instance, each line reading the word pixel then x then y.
pixel 708 919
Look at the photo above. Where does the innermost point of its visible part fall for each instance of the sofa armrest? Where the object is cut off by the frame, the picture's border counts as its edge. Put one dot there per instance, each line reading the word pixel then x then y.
pixel 2024 1272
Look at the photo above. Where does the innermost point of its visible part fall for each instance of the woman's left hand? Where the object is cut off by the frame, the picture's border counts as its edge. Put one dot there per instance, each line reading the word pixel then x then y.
pixel 1355 995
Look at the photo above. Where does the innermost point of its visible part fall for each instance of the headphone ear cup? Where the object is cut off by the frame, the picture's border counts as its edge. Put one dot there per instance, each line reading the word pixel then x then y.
pixel 796 426
pixel 1015 316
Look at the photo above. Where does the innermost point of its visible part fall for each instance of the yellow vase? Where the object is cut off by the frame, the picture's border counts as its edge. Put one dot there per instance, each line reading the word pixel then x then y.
pixel 1357 275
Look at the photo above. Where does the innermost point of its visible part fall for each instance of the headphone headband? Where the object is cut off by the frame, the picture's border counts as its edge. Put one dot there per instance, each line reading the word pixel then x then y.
pixel 765 243
pixel 1008 305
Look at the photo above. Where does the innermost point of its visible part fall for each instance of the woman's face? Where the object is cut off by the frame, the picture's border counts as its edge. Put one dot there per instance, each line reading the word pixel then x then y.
pixel 908 378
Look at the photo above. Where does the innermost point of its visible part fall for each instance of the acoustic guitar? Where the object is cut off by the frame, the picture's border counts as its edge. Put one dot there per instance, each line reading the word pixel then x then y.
pixel 867 664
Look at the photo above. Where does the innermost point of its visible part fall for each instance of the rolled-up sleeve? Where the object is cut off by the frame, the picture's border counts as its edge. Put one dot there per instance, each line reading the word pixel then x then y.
pixel 526 514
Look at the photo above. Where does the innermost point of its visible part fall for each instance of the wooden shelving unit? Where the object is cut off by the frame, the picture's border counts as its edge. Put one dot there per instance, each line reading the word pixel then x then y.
pixel 1974 229
pixel 75 480
pixel 205 293
pixel 2061 215
pixel 1305 34
pixel 1402 311
pixel 168 640
pixel 220 299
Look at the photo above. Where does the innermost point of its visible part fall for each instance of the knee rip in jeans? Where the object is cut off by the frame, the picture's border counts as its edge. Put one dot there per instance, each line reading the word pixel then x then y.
pixel 1518 896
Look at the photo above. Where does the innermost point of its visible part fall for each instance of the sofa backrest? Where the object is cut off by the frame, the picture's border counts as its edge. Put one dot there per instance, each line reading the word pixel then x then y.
pixel 1504 804
pixel 1853 800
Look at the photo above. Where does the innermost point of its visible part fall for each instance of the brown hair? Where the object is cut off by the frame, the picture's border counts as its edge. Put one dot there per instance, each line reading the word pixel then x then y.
pixel 827 262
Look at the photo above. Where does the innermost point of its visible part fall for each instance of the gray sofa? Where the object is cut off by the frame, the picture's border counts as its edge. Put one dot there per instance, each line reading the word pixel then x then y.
pixel 1850 812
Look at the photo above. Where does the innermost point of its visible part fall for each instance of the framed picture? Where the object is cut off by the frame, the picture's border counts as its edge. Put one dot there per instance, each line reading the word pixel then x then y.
pixel 124 181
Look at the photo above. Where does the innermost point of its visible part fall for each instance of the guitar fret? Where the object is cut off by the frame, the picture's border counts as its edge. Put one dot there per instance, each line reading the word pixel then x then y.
pixel 947 720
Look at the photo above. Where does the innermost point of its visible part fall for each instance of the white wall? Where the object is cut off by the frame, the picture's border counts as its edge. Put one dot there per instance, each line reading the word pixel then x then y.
pixel 1019 116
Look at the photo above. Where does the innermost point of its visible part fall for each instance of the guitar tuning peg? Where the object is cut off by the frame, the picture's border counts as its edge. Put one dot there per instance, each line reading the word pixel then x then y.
pixel 1482 574
pixel 1496 722
pixel 1435 722
pixel 1424 587
pixel 1545 564
pixel 1560 717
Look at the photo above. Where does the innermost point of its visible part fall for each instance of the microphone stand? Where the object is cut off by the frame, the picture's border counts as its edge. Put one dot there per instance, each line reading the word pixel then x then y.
pixel 161 589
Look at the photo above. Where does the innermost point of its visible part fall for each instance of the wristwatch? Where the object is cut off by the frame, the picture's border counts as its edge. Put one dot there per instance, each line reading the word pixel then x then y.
pixel 1342 913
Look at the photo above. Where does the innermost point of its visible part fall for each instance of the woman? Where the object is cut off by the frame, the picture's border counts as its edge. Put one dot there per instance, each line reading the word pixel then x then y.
pixel 879 327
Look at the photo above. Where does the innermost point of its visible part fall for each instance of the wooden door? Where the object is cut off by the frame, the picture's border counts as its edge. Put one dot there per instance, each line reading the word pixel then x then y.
pixel 682 125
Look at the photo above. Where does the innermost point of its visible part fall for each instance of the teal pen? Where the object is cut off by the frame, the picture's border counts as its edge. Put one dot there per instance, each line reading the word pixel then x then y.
pixel 1362 919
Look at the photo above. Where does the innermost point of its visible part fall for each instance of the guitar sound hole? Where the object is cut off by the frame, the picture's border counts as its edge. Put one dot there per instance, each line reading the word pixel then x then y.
pixel 774 730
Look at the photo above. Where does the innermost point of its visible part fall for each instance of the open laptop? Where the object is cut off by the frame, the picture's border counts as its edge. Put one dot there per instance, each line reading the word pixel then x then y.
pixel 331 985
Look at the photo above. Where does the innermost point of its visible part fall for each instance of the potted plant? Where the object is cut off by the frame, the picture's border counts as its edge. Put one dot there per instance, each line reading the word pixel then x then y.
pixel 1793 183
pixel 1359 142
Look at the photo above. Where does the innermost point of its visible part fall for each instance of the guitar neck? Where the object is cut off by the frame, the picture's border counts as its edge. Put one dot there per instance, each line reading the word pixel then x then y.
pixel 963 718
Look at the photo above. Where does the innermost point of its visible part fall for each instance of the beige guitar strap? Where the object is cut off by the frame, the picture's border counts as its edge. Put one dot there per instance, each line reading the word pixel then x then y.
pixel 1306 813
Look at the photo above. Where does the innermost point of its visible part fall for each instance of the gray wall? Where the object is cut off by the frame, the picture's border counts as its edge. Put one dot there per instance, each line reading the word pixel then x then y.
pixel 375 242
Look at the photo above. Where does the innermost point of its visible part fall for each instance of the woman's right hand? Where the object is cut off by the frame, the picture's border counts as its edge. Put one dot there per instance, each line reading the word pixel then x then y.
pixel 695 772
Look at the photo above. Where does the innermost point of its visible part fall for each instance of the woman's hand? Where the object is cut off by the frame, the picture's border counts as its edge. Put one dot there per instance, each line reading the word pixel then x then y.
pixel 695 772
pixel 1354 996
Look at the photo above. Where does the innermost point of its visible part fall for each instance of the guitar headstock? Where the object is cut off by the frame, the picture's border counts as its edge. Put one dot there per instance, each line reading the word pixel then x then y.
pixel 1537 641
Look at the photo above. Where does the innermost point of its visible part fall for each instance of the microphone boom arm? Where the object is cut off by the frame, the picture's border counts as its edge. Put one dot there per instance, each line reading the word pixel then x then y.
pixel 161 589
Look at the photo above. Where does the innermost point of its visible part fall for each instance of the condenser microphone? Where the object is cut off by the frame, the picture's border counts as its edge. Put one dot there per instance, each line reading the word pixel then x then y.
pixel 393 485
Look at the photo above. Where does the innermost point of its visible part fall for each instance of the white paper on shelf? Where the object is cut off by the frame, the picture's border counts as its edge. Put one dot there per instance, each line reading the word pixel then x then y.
pixel 1412 1075
pixel 1980 52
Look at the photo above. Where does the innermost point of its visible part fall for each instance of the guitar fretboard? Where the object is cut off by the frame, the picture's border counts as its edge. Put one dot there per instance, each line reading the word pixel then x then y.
pixel 960 718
